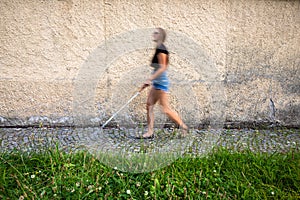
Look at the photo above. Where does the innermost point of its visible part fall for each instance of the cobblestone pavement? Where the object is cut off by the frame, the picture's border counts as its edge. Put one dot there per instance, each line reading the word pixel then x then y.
pixel 71 139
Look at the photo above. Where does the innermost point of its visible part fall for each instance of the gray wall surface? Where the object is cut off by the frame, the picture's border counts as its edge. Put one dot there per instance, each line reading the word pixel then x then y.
pixel 71 62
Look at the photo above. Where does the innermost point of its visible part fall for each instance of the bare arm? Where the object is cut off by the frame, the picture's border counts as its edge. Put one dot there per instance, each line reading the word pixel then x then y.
pixel 163 62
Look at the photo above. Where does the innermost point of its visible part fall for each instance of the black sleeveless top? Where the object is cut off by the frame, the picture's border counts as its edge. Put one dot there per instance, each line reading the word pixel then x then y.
pixel 160 49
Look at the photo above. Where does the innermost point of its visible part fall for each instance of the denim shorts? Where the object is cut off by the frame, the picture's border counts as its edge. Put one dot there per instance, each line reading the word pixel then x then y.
pixel 160 87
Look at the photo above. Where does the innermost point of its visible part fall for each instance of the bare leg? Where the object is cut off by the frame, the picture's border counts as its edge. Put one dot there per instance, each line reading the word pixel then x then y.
pixel 151 101
pixel 169 112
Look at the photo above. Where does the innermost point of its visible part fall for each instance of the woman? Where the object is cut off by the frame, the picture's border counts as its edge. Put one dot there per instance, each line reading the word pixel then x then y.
pixel 160 85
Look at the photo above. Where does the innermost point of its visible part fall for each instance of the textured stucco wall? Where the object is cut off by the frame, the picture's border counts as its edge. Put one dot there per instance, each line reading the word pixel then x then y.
pixel 263 60
pixel 248 52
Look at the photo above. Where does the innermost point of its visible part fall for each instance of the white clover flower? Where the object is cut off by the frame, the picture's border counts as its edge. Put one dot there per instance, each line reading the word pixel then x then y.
pixel 128 191
pixel 272 193
pixel 73 190
pixel 90 187
pixel 146 193
pixel 138 184
pixel 32 176
pixel 115 168
pixel 77 184
pixel 203 192
pixel 215 171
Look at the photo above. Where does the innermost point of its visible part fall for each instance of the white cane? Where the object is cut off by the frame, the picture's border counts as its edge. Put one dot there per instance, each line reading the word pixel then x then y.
pixel 134 96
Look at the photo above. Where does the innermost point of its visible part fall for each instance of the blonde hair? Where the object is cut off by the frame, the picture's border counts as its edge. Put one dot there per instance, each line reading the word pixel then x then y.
pixel 163 34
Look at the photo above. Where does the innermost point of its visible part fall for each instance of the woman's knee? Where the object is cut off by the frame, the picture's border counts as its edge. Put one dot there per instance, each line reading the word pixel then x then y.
pixel 151 102
pixel 149 105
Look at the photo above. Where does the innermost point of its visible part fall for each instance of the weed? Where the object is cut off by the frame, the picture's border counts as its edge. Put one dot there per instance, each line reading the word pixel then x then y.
pixel 223 174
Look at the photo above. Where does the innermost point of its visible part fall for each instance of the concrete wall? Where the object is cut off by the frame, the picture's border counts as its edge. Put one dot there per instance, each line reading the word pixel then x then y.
pixel 66 62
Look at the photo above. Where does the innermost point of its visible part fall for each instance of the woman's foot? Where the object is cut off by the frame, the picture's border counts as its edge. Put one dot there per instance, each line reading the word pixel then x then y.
pixel 185 130
pixel 146 136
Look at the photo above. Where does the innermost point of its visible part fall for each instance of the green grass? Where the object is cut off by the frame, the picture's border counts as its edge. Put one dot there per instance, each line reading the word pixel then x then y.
pixel 220 175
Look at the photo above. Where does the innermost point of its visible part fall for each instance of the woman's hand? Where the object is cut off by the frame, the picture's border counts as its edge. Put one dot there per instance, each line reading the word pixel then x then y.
pixel 146 84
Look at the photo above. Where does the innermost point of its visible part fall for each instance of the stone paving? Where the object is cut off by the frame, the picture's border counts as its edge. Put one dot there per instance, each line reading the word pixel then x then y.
pixel 72 139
